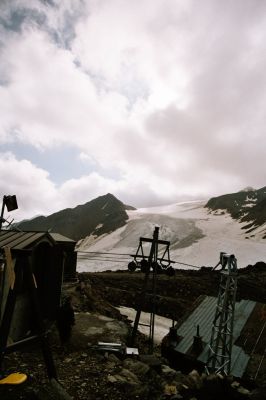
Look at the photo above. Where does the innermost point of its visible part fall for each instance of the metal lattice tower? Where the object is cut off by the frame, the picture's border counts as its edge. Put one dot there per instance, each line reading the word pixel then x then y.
pixel 220 347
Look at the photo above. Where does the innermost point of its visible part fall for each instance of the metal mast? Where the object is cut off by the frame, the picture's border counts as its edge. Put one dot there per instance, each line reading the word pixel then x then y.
pixel 150 264
pixel 220 347
pixel 152 258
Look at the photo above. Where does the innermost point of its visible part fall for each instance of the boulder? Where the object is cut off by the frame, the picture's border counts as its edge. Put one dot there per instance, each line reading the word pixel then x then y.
pixel 137 367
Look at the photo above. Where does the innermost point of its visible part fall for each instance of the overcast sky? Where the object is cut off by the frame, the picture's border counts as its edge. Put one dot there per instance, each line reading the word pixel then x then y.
pixel 155 101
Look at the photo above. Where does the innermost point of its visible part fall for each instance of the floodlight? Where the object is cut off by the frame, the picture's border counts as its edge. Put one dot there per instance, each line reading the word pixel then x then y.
pixel 11 204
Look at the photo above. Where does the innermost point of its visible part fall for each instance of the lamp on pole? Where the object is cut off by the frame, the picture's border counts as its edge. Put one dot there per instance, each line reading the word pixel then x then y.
pixel 11 204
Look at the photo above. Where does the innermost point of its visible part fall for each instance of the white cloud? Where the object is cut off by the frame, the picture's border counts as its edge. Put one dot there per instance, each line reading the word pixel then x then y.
pixel 35 192
pixel 171 98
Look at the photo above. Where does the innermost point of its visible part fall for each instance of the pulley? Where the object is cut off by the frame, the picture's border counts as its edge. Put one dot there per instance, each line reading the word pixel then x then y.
pixel 144 265
pixel 132 266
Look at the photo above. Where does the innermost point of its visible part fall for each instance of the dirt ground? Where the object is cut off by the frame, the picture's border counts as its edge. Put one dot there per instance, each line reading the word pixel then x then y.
pixel 84 373
pixel 174 295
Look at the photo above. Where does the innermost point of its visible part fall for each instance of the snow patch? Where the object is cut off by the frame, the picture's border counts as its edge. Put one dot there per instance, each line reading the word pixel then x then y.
pixel 99 226
pixel 104 206
pixel 161 324
pixel 197 237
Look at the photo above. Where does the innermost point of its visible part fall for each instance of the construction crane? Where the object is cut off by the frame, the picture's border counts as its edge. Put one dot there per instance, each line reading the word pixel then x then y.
pixel 220 347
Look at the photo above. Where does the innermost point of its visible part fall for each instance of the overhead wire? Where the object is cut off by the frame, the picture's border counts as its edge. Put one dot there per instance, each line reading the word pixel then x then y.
pixel 104 260
pixel 126 255
pixel 104 256
pixel 82 254
pixel 188 265
pixel 101 252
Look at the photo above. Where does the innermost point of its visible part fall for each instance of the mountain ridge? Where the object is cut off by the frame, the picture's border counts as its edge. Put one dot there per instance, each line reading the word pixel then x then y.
pixel 99 216
pixel 245 206
pixel 105 214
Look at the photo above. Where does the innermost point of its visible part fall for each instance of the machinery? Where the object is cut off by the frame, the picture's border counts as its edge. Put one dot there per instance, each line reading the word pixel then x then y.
pixel 155 264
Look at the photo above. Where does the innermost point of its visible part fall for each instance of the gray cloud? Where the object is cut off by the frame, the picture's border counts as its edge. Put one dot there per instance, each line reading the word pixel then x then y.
pixel 170 98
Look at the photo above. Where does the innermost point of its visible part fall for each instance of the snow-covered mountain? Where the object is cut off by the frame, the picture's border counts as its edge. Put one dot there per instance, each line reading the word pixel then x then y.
pixel 248 205
pixel 198 233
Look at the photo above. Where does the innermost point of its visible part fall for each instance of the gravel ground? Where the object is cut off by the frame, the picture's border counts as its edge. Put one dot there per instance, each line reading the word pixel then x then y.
pixel 84 373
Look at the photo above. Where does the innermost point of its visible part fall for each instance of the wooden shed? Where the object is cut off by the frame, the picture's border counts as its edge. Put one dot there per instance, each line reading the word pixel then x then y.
pixel 47 257
pixel 70 256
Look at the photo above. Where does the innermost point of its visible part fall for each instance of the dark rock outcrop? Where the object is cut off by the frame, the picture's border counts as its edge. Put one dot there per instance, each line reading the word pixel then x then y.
pixel 246 206
pixel 101 215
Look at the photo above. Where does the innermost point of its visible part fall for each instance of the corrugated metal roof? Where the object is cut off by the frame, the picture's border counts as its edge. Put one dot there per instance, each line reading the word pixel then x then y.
pixel 19 240
pixel 60 238
pixel 243 309
pixel 239 360
pixel 203 316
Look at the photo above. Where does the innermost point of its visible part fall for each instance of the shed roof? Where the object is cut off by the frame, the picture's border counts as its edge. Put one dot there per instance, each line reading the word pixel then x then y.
pixel 203 316
pixel 61 238
pixel 21 240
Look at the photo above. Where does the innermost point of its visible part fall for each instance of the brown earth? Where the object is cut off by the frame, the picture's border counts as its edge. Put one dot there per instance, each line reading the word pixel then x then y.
pixel 89 374
pixel 174 295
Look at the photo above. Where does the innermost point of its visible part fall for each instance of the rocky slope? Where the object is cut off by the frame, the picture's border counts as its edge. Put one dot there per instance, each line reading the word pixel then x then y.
pixel 247 206
pixel 101 215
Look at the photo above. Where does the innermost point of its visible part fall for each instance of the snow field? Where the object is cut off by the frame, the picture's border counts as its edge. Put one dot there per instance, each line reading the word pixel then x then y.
pixel 203 234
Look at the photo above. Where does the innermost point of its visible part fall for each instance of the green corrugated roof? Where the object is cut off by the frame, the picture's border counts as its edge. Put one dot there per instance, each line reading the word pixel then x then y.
pixel 203 316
